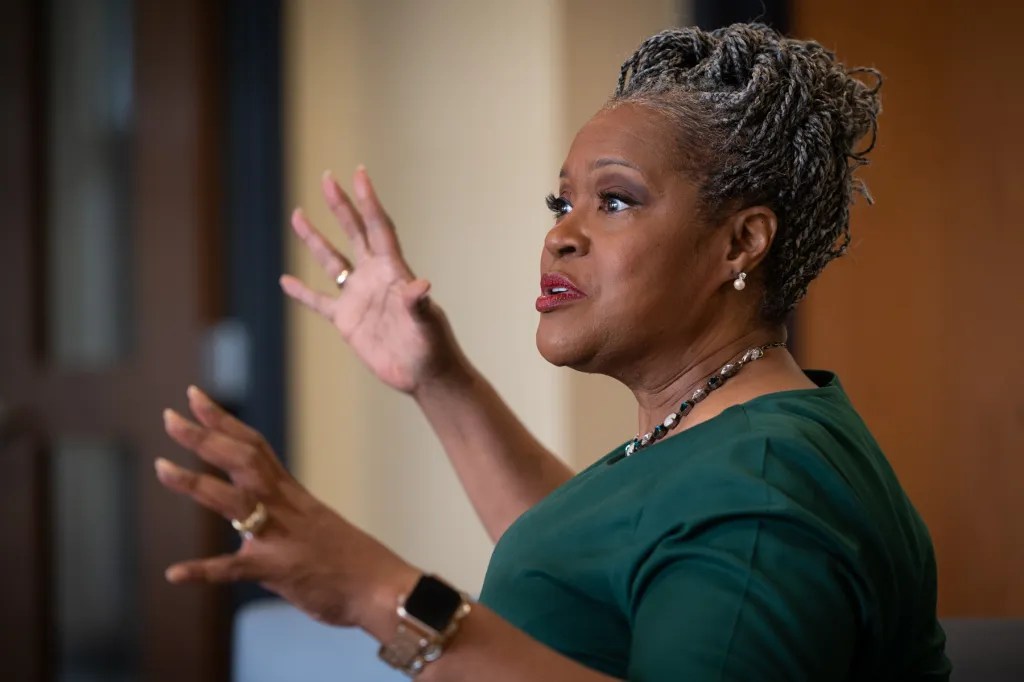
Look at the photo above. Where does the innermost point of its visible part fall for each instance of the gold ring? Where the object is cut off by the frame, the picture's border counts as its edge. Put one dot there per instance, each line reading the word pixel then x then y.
pixel 252 523
pixel 342 277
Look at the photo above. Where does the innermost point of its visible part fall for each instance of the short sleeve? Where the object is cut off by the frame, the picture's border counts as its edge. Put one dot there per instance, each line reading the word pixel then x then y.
pixel 751 599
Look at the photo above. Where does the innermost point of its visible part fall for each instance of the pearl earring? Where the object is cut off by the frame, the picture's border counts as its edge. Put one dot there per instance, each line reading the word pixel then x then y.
pixel 740 283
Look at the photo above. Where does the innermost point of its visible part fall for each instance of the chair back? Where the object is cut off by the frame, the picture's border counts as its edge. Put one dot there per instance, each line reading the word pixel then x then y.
pixel 985 649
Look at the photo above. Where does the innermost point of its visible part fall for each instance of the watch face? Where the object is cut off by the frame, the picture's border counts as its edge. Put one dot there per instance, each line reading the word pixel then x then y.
pixel 433 603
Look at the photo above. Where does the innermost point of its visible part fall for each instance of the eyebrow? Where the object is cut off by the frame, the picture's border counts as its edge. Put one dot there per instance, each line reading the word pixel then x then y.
pixel 602 162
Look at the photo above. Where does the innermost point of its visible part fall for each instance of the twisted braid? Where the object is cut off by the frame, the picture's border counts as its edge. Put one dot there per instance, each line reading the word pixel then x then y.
pixel 764 119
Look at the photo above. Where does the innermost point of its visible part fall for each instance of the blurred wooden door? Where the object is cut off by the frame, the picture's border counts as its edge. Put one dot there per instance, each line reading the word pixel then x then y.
pixel 924 319
pixel 110 188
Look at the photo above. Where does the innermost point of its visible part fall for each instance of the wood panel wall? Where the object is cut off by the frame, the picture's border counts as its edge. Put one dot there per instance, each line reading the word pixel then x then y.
pixel 924 320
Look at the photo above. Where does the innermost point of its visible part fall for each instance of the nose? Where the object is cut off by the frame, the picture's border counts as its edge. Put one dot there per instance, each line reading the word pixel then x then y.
pixel 567 238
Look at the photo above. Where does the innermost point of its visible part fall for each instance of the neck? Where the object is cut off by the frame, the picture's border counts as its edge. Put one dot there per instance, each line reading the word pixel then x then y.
pixel 660 391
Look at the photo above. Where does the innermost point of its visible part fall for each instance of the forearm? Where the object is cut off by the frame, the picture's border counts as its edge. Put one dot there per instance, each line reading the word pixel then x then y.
pixel 486 647
pixel 502 467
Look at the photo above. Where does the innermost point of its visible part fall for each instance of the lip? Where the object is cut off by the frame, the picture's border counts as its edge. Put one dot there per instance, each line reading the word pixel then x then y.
pixel 555 280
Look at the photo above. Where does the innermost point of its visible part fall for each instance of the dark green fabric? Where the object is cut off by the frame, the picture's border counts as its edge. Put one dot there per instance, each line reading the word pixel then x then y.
pixel 772 542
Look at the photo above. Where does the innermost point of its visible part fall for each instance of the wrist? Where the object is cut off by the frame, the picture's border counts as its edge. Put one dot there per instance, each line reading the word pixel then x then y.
pixel 458 377
pixel 429 617
pixel 378 615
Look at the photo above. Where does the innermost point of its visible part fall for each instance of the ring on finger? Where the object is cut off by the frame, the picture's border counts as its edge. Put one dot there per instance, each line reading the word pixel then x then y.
pixel 252 524
pixel 343 277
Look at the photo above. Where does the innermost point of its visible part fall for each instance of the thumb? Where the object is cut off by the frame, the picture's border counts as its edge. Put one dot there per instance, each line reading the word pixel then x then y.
pixel 220 569
pixel 416 296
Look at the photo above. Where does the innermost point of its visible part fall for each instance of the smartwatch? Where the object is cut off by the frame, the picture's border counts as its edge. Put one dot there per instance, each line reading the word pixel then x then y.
pixel 429 617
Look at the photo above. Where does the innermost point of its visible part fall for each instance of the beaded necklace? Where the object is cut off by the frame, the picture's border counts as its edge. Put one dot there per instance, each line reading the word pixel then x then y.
pixel 714 382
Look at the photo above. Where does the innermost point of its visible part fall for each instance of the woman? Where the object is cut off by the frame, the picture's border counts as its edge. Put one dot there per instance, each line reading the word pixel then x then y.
pixel 752 531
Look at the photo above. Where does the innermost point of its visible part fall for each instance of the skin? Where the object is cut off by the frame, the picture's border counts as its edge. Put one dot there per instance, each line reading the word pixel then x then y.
pixel 660 315
pixel 661 312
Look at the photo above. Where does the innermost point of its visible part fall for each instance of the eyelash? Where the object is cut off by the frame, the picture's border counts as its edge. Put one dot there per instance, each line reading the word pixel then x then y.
pixel 557 205
pixel 560 206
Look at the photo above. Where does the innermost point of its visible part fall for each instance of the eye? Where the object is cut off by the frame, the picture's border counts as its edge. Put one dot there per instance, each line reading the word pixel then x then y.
pixel 560 206
pixel 613 203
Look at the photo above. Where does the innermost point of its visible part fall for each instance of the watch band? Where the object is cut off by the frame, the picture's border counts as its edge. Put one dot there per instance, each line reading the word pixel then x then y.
pixel 429 617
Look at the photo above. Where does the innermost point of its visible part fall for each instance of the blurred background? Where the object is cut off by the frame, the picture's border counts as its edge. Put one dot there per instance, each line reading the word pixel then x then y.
pixel 153 150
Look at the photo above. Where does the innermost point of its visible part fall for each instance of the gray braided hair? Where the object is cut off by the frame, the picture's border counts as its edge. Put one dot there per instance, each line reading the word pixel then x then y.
pixel 764 120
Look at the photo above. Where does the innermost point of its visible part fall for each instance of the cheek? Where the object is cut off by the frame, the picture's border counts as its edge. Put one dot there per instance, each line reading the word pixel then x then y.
pixel 650 277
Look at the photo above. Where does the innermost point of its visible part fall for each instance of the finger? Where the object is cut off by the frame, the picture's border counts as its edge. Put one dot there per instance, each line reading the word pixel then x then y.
pixel 348 218
pixel 329 258
pixel 208 491
pixel 227 568
pixel 314 300
pixel 212 415
pixel 247 465
pixel 379 228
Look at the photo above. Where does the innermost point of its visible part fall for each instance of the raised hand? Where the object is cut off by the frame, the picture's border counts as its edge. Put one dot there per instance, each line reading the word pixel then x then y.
pixel 304 551
pixel 382 310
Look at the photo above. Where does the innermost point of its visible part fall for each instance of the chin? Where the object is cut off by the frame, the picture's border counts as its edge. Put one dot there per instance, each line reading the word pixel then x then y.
pixel 565 345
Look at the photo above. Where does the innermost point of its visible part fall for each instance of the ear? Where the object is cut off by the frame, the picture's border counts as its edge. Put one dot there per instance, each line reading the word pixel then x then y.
pixel 750 234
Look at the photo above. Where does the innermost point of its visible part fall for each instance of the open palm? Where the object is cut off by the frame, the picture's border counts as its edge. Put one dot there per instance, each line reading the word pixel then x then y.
pixel 382 311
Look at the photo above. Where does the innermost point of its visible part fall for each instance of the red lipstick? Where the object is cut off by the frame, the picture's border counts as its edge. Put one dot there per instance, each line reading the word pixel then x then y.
pixel 557 290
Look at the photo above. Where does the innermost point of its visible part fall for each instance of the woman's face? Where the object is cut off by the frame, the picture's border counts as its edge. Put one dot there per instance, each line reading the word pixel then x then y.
pixel 628 270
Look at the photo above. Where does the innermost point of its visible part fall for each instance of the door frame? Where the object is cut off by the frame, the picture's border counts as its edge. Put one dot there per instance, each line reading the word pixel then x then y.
pixel 177 293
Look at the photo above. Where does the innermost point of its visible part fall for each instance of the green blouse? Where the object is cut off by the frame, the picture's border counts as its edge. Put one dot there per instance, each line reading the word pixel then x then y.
pixel 772 542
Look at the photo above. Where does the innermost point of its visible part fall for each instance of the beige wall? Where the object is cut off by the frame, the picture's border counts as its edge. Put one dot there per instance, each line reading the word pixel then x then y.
pixel 601 413
pixel 462 110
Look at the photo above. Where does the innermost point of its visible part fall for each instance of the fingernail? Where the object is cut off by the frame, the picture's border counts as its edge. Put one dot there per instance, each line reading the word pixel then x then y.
pixel 164 467
pixel 173 418
pixel 195 392
pixel 362 182
pixel 332 187
pixel 175 573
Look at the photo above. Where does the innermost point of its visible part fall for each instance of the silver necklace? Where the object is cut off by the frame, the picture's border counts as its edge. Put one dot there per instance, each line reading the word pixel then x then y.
pixel 712 383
